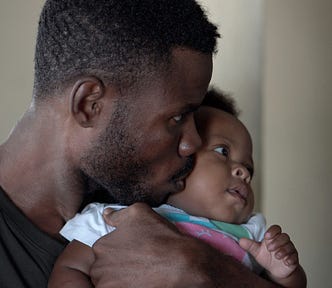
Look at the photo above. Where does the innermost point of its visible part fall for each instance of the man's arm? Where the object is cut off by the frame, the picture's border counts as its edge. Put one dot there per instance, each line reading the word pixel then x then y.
pixel 72 267
pixel 147 251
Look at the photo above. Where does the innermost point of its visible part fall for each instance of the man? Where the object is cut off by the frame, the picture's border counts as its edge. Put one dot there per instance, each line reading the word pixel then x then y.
pixel 116 84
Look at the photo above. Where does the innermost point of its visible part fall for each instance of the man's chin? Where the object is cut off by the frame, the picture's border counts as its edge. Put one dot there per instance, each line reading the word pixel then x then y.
pixel 149 198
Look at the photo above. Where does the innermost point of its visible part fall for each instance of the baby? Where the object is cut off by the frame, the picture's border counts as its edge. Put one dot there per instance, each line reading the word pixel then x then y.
pixel 216 206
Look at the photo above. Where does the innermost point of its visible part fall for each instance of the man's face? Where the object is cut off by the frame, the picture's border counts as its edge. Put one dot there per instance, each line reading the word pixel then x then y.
pixel 146 150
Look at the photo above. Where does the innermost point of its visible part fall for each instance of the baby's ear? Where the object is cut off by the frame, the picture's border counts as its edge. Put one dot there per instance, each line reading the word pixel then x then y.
pixel 86 100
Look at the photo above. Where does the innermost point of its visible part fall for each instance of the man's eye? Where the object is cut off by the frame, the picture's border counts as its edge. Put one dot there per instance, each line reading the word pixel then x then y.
pixel 178 118
pixel 222 150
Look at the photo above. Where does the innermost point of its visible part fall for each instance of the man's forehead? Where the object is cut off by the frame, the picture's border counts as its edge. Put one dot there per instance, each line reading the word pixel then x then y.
pixel 197 66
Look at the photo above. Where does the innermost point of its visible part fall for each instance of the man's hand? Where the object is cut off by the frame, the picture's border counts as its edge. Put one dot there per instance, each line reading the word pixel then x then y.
pixel 147 251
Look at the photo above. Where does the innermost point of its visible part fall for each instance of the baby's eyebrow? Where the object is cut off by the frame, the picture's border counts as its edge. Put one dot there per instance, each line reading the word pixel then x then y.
pixel 220 138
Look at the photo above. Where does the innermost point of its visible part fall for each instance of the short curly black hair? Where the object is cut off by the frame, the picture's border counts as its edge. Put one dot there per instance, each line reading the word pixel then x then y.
pixel 119 41
pixel 219 99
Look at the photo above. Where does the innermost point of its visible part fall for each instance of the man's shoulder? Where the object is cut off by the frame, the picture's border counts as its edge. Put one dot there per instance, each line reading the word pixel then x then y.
pixel 27 254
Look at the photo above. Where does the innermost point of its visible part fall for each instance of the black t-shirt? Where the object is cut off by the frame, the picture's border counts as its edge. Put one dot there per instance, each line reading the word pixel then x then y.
pixel 27 254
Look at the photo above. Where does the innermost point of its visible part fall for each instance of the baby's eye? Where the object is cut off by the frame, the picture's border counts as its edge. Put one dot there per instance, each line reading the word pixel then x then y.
pixel 250 170
pixel 222 150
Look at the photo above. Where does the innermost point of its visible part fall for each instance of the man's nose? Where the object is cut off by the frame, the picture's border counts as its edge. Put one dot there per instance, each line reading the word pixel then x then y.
pixel 190 140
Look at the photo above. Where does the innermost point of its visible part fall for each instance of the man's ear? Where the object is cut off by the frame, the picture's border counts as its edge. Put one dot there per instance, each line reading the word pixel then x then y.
pixel 85 100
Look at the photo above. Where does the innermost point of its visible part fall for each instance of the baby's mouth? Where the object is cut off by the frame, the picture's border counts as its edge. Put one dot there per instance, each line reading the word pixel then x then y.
pixel 240 192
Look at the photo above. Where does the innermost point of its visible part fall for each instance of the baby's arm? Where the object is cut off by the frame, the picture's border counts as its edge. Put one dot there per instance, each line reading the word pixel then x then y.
pixel 72 267
pixel 278 255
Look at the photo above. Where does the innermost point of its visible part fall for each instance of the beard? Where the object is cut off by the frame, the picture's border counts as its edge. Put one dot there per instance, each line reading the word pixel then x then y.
pixel 114 165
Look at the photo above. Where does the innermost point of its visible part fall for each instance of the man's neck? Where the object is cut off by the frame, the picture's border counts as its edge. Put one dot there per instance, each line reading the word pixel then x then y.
pixel 37 176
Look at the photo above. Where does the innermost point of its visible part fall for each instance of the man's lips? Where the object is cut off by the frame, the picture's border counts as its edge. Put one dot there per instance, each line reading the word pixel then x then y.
pixel 181 175
pixel 239 191
pixel 180 184
pixel 180 181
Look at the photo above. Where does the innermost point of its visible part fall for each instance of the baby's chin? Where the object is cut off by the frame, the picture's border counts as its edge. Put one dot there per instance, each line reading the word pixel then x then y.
pixel 232 219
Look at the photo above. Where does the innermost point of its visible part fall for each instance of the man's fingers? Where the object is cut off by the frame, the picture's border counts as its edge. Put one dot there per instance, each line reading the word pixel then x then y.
pixel 111 216
pixel 136 211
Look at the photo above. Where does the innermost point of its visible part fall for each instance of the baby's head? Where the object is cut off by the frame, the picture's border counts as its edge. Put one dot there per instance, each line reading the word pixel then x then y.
pixel 219 186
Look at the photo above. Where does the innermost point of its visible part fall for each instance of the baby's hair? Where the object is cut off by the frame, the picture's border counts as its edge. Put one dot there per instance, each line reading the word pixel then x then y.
pixel 219 99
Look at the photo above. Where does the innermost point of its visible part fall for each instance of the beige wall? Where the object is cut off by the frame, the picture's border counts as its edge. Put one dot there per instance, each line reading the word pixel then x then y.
pixel 293 91
pixel 18 24
pixel 297 132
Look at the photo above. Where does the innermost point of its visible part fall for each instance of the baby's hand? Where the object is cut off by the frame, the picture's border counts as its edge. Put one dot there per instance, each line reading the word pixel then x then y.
pixel 276 253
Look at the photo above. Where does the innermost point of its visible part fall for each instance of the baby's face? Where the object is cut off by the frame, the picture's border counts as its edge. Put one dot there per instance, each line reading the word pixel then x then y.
pixel 219 186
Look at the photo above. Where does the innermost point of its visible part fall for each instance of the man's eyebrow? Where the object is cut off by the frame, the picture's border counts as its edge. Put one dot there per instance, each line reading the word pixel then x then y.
pixel 191 107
